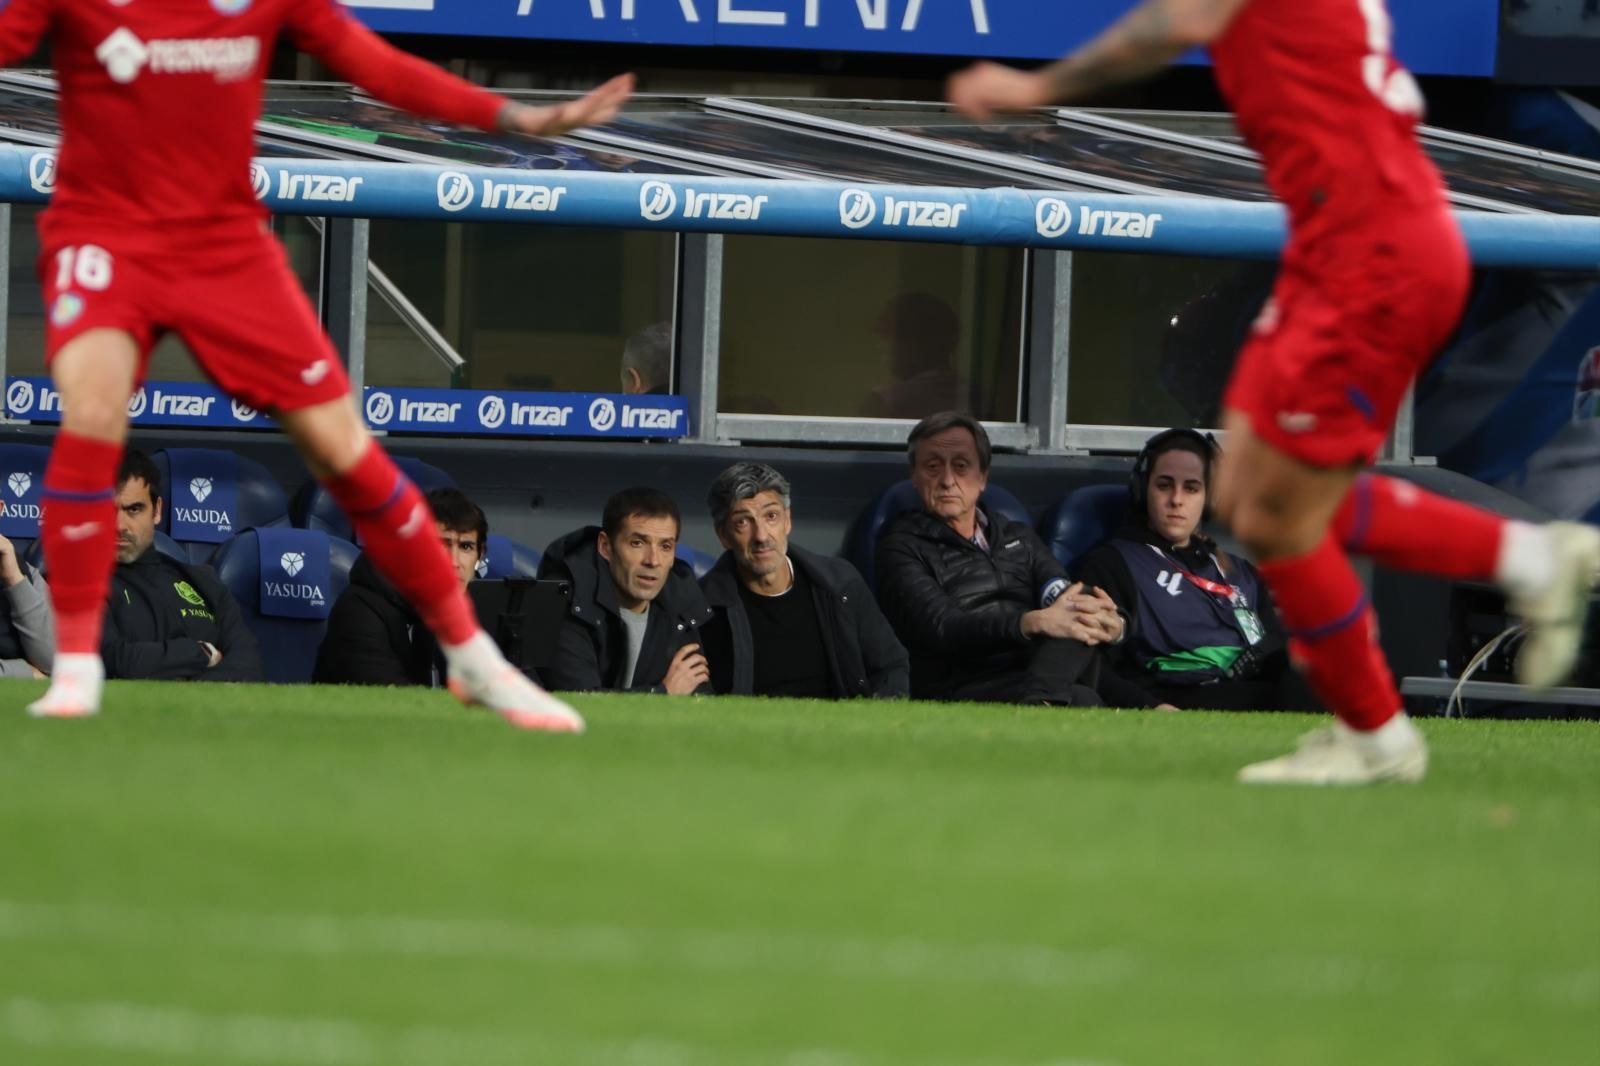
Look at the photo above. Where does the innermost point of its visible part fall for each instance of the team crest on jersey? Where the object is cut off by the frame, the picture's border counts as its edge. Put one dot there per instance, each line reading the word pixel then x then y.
pixel 65 311
pixel 231 7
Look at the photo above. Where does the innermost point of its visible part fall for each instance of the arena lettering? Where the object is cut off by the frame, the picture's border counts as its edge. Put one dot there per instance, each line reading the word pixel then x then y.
pixel 515 197
pixel 179 406
pixel 921 214
pixel 325 187
pixel 539 414
pixel 1117 223
pixel 872 14
pixel 434 411
pixel 229 58
pixel 727 206
pixel 204 516
pixel 650 418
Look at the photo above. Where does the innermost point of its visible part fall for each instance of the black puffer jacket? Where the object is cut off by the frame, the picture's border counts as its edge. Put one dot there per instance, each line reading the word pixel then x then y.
pixel 957 608
pixel 592 649
pixel 375 637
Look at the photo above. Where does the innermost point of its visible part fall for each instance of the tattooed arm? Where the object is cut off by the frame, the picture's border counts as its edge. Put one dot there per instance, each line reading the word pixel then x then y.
pixel 1141 42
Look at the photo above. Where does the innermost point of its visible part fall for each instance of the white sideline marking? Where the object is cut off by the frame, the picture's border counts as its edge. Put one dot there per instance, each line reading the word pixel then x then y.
pixel 176 1032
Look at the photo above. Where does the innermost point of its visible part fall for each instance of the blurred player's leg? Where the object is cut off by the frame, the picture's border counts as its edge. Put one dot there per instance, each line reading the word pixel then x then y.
pixel 94 374
pixel 398 531
pixel 1547 570
pixel 1281 509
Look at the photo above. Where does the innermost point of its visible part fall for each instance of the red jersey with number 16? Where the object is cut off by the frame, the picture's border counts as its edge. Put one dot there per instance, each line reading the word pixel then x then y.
pixel 1317 93
pixel 159 98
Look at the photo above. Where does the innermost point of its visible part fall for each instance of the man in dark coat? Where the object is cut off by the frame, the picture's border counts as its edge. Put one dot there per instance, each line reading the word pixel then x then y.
pixel 374 636
pixel 789 622
pixel 634 624
pixel 167 619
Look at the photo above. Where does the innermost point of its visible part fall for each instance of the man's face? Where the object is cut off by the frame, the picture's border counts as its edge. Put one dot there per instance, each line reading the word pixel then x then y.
pixel 464 550
pixel 1177 495
pixel 640 558
pixel 137 515
pixel 946 475
pixel 757 533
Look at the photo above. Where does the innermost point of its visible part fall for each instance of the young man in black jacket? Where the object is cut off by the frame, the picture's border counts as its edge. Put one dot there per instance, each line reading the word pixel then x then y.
pixel 985 610
pixel 375 636
pixel 634 624
pixel 789 622
pixel 167 619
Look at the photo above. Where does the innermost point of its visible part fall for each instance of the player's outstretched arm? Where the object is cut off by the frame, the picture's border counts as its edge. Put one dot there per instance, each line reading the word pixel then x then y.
pixel 1140 43
pixel 593 109
pixel 22 25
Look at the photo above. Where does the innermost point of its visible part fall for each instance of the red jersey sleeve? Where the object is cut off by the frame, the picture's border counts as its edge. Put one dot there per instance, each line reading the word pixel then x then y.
pixel 325 30
pixel 22 24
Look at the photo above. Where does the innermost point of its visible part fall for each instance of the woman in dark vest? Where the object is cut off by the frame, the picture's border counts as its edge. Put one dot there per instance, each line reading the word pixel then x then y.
pixel 1204 634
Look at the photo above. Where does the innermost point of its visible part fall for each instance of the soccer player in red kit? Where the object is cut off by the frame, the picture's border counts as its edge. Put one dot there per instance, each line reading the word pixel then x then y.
pixel 1373 280
pixel 154 228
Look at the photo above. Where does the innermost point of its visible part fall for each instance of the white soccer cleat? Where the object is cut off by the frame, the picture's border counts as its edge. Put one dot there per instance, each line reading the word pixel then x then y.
pixel 1555 616
pixel 1339 755
pixel 74 692
pixel 508 692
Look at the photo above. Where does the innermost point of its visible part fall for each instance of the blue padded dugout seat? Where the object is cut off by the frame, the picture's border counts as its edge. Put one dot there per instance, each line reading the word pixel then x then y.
pixel 286 581
pixel 895 501
pixel 698 561
pixel 210 494
pixel 22 467
pixel 313 508
pixel 507 558
pixel 1084 517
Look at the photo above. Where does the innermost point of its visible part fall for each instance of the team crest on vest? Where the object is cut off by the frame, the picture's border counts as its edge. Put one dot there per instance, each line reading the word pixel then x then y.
pixel 231 7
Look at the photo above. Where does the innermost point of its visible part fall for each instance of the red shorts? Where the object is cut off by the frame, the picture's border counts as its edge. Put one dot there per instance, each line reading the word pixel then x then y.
pixel 228 293
pixel 1347 330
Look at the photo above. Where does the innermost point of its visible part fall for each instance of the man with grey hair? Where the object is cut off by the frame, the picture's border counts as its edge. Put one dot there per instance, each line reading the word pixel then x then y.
pixel 986 610
pixel 647 361
pixel 787 621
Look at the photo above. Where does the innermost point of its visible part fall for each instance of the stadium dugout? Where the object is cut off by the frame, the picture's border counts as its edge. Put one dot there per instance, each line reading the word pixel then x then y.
pixel 1078 279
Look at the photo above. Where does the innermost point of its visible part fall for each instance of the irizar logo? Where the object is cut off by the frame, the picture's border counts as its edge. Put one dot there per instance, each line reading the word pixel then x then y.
pixel 292 562
pixel 602 414
pixel 455 191
pixel 650 418
pixel 138 402
pixel 19 397
pixel 125 56
pixel 515 196
pixel 42 173
pixel 658 202
pixel 260 181
pixel 493 413
pixel 319 188
pixel 858 208
pixel 1135 224
pixel 200 488
pixel 244 412
pixel 170 405
pixel 380 408
pixel 429 411
pixel 19 483
pixel 1052 218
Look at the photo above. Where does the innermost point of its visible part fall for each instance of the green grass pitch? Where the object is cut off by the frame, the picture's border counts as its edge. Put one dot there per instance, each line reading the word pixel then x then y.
pixel 237 875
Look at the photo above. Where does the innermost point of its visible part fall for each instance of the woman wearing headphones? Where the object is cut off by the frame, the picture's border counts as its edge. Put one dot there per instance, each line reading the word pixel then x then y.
pixel 1204 634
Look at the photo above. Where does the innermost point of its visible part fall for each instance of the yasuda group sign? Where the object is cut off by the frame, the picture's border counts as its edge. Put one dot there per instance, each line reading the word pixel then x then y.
pixel 1432 36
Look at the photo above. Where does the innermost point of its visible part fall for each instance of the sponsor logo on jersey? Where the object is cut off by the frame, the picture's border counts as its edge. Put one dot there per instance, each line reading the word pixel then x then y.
pixel 231 7
pixel 314 373
pixel 227 59
pixel 66 310
pixel 188 594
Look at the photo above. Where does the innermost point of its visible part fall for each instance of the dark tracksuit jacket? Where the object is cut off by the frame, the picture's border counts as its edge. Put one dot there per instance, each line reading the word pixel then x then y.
pixel 375 638
pixel 160 610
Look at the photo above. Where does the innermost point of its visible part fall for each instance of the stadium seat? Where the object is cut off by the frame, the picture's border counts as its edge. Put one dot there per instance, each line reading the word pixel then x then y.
pixel 313 508
pixel 507 558
pixel 164 544
pixel 1084 517
pixel 286 581
pixel 210 494
pixel 698 560
pixel 902 497
pixel 22 466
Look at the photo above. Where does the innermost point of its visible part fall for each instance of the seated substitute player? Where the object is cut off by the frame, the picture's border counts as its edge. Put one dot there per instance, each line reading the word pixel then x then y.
pixel 155 227
pixel 634 624
pixel 789 622
pixel 1373 280
pixel 982 606
pixel 375 637
pixel 27 625
pixel 167 620
pixel 1202 630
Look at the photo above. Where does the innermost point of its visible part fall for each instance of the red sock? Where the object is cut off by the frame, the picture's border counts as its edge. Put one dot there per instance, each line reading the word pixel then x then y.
pixel 399 532
pixel 1334 634
pixel 79 529
pixel 1407 528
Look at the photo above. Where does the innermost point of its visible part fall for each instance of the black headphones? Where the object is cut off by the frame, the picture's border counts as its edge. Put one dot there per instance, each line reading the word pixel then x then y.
pixel 1139 476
